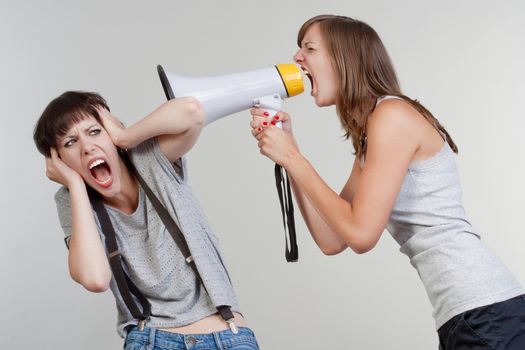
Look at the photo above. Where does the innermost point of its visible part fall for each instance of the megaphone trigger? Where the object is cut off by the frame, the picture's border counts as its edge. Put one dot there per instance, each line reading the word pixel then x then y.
pixel 271 104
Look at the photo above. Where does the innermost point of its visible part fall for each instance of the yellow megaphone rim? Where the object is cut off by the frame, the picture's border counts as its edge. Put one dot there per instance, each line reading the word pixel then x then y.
pixel 292 78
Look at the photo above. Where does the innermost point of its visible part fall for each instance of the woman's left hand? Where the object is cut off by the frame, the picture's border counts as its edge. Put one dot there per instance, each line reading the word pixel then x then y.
pixel 114 127
pixel 275 143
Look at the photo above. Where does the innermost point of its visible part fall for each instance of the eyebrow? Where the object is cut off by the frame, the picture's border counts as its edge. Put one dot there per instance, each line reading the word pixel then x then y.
pixel 66 136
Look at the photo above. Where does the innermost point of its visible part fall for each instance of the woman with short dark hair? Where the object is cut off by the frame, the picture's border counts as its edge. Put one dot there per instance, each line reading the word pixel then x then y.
pixel 165 297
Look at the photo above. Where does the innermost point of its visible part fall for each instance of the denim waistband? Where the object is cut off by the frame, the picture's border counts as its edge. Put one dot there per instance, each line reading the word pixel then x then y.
pixel 170 340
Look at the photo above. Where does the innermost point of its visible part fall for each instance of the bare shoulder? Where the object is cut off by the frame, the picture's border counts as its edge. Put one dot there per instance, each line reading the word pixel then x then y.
pixel 395 116
pixel 398 123
pixel 394 112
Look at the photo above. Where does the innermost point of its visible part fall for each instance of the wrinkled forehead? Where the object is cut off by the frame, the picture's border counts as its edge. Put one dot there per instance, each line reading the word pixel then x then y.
pixel 74 119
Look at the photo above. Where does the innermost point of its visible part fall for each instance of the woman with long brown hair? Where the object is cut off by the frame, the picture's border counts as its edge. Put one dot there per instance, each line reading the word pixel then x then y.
pixel 404 179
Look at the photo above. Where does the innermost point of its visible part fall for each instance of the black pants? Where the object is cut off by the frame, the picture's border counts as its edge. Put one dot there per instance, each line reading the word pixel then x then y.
pixel 499 326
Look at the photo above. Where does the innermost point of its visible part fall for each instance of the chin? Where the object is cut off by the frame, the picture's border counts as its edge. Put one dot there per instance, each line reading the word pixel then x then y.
pixel 107 192
pixel 320 103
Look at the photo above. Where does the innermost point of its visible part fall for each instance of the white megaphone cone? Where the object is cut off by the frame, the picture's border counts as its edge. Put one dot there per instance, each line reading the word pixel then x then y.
pixel 227 94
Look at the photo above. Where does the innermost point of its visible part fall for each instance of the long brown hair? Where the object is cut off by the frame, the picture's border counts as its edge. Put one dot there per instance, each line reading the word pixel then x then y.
pixel 366 74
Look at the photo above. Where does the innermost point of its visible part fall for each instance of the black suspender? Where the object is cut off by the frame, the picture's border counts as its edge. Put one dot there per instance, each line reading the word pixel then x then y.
pixel 125 286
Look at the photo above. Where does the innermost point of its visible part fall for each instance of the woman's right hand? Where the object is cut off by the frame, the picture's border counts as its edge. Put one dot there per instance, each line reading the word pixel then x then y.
pixel 58 171
pixel 261 121
pixel 278 144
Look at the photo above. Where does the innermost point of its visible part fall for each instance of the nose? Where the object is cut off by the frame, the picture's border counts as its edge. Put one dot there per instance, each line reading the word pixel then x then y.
pixel 298 57
pixel 87 146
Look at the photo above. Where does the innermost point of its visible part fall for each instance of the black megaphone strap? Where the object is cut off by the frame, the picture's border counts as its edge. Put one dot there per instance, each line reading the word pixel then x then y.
pixel 285 199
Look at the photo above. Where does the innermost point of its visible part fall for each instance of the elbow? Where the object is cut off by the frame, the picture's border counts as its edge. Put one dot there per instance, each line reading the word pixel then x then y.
pixel 96 287
pixel 94 284
pixel 194 112
pixel 361 249
pixel 332 250
pixel 364 242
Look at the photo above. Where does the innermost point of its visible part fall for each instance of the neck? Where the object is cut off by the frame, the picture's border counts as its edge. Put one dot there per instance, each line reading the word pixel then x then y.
pixel 126 200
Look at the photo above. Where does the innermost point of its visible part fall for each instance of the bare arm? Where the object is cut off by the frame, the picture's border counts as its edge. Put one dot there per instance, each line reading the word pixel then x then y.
pixel 177 124
pixel 325 238
pixel 88 264
pixel 357 216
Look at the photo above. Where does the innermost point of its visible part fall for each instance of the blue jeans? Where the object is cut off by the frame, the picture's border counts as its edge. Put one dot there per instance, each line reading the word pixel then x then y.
pixel 499 326
pixel 155 339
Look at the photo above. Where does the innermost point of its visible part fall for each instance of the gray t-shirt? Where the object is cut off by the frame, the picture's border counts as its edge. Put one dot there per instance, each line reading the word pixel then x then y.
pixel 152 259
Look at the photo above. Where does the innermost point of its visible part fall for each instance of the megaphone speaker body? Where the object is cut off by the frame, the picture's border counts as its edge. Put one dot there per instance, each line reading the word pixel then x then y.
pixel 227 94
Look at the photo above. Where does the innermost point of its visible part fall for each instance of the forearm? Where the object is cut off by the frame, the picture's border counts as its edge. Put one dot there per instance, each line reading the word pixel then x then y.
pixel 171 118
pixel 88 264
pixel 337 213
pixel 325 238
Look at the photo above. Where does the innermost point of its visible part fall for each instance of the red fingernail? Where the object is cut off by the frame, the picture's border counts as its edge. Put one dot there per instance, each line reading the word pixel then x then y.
pixel 259 129
pixel 266 113
pixel 273 122
pixel 276 117
pixel 265 123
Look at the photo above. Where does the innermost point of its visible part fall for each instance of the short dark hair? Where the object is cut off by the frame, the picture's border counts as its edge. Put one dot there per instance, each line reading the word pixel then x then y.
pixel 60 115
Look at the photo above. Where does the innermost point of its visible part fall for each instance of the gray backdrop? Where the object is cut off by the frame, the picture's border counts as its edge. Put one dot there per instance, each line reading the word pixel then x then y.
pixel 463 59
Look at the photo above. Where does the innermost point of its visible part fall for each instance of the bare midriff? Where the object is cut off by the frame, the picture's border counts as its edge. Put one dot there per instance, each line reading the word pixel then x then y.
pixel 212 323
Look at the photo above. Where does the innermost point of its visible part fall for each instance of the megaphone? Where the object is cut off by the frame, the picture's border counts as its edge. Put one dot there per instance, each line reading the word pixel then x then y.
pixel 227 94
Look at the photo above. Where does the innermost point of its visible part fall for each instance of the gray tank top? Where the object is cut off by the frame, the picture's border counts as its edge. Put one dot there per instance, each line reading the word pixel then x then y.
pixel 151 257
pixel 429 223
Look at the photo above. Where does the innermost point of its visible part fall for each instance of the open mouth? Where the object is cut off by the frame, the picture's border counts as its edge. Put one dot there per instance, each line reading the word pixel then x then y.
pixel 101 172
pixel 309 76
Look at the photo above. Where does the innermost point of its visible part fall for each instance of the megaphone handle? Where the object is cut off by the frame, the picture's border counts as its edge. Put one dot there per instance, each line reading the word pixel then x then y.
pixel 271 105
pixel 272 113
